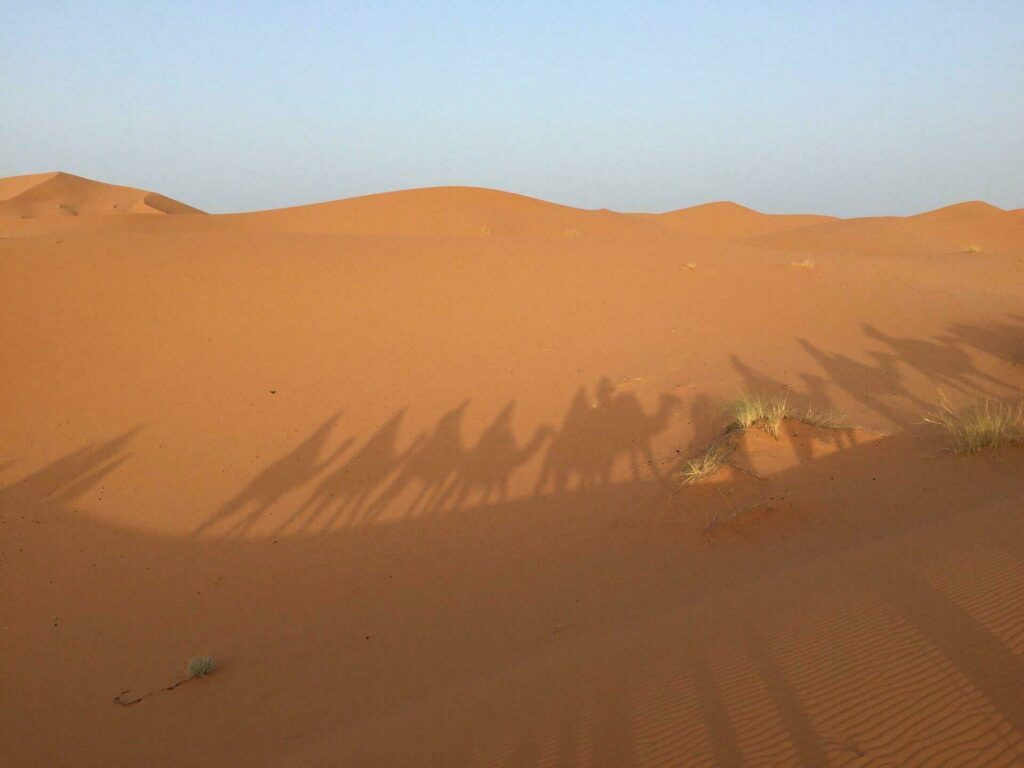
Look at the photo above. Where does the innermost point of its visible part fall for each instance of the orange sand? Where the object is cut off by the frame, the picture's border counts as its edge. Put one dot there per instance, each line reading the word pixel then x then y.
pixel 399 463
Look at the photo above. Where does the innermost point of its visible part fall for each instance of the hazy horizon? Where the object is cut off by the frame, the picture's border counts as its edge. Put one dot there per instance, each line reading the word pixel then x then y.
pixel 823 108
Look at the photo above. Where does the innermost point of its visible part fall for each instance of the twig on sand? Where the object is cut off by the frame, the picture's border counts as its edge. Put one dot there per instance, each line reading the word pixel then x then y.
pixel 119 699
pixel 198 666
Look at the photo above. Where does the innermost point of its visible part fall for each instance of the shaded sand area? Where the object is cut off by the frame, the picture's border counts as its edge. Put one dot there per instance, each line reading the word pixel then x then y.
pixel 402 464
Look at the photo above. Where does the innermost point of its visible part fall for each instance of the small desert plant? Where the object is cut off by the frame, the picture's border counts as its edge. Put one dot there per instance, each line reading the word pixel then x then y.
pixel 805 264
pixel 764 411
pixel 824 418
pixel 982 426
pixel 200 666
pixel 706 463
pixel 972 249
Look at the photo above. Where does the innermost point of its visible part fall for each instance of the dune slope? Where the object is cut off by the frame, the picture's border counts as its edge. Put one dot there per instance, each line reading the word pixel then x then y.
pixel 459 211
pixel 962 228
pixel 731 221
pixel 409 483
pixel 62 194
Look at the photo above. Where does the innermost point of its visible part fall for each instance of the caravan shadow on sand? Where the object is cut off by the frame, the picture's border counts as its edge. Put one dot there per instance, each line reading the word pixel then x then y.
pixel 1003 341
pixel 437 472
pixel 540 631
pixel 604 437
pixel 588 623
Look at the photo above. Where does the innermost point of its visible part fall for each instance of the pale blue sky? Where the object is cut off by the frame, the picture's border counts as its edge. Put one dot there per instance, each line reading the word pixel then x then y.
pixel 849 108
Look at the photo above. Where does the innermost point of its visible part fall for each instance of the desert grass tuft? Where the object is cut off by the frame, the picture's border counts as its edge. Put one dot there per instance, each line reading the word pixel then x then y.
pixel 200 666
pixel 982 426
pixel 759 410
pixel 824 418
pixel 706 463
pixel 753 411
pixel 805 264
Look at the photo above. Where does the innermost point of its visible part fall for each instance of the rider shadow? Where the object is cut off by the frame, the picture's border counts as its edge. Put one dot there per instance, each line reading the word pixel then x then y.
pixel 488 466
pixel 630 429
pixel 291 471
pixel 594 437
pixel 572 450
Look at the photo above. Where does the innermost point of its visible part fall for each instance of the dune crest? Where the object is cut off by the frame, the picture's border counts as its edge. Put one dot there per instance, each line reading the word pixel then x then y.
pixel 969 209
pixel 967 227
pixel 36 203
pixel 462 211
pixel 732 221
pixel 60 194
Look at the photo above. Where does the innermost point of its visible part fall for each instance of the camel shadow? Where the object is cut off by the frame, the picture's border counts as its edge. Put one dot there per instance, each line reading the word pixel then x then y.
pixel 594 438
pixel 488 466
pixel 349 487
pixel 71 476
pixel 429 467
pixel 294 469
pixel 942 361
pixel 873 386
pixel 1004 341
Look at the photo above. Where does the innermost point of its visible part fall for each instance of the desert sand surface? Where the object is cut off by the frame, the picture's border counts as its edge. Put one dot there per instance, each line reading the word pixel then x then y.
pixel 45 195
pixel 402 465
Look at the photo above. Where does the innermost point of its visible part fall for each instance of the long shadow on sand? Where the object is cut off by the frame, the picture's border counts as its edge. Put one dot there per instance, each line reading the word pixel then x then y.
pixel 436 472
pixel 1004 341
pixel 586 623
pixel 627 647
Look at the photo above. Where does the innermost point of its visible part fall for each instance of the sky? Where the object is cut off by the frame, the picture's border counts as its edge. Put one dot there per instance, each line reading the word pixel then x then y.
pixel 846 108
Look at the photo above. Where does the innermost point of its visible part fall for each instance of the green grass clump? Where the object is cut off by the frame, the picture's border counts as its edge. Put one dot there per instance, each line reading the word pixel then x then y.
pixel 200 666
pixel 764 411
pixel 706 463
pixel 982 426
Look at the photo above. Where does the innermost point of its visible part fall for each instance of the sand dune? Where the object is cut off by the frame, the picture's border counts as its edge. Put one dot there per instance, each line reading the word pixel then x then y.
pixel 458 211
pixel 472 211
pixel 477 212
pixel 62 194
pixel 965 227
pixel 402 463
pixel 731 221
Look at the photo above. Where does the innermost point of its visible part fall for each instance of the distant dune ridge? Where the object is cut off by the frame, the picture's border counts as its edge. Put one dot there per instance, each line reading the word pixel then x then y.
pixel 478 212
pixel 732 221
pixel 966 226
pixel 471 211
pixel 44 195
